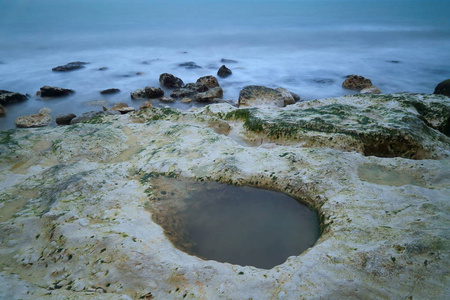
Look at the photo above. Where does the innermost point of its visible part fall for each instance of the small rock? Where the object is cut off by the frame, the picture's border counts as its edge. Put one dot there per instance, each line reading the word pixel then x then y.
pixel 443 88
pixel 167 99
pixel 91 114
pixel 186 100
pixel 138 94
pixel 153 92
pixel 147 104
pixel 7 97
pixel 41 119
pixel 2 110
pixel 371 90
pixel 355 82
pixel 140 73
pixel 228 61
pixel 70 66
pixel 210 81
pixel 110 91
pixel 169 81
pixel 103 68
pixel 394 61
pixel 54 92
pixel 64 119
pixel 286 96
pixel 189 90
pixel 122 108
pixel 209 95
pixel 224 72
pixel 190 65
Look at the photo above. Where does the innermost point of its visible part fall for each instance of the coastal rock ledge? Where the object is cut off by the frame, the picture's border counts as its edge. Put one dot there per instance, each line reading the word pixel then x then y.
pixel 73 222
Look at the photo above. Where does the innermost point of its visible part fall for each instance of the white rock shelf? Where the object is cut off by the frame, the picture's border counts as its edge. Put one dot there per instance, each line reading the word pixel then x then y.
pixel 73 222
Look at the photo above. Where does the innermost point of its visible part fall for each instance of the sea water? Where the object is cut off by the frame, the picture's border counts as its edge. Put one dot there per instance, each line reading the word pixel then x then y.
pixel 306 46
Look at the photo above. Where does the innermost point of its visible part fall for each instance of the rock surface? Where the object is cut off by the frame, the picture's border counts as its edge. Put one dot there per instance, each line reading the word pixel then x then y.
pixel 74 223
pixel 64 119
pixel 41 119
pixel 170 81
pixel 224 72
pixel 54 92
pixel 256 95
pixel 110 91
pixel 443 88
pixel 123 108
pixel 153 92
pixel 7 97
pixel 93 116
pixel 355 82
pixel 210 81
pixel 70 66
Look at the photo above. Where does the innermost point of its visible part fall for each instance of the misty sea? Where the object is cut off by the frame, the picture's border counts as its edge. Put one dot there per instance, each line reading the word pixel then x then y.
pixel 306 46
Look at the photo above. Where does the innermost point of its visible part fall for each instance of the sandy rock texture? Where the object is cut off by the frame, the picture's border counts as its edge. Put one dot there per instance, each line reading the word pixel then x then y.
pixel 73 223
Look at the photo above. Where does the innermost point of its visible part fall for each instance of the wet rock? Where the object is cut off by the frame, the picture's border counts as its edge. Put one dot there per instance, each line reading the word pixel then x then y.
pixel 167 99
pixel 153 92
pixel 189 90
pixel 90 116
pixel 7 97
pixel 64 119
pixel 371 90
pixel 209 95
pixel 54 92
pixel 224 72
pixel 146 105
pixel 110 91
pixel 169 81
pixel 209 81
pixel 70 66
pixel 41 119
pixel 443 88
pixel 228 61
pixel 2 110
pixel 190 65
pixel 355 82
pixel 255 95
pixel 138 94
pixel 186 100
pixel 394 61
pixel 123 108
pixel 140 73
pixel 323 80
pixel 103 68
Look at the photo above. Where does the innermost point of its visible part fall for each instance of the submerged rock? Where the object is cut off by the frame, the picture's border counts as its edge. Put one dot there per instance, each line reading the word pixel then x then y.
pixel 54 92
pixel 443 88
pixel 228 61
pixel 224 72
pixel 70 66
pixel 7 97
pixel 41 119
pixel 371 90
pixel 65 119
pixel 190 65
pixel 169 81
pixel 110 91
pixel 256 95
pixel 74 221
pixel 355 82
pixel 210 81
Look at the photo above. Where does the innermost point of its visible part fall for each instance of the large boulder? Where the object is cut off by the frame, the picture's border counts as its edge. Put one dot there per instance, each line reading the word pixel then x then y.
pixel 41 119
pixel 153 92
pixel 54 92
pixel 357 83
pixel 224 72
pixel 70 66
pixel 7 97
pixel 209 95
pixel 256 95
pixel 170 81
pixel 210 81
pixel 443 88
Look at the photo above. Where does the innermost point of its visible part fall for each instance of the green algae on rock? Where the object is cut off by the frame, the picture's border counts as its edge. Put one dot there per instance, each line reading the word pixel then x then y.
pixel 73 199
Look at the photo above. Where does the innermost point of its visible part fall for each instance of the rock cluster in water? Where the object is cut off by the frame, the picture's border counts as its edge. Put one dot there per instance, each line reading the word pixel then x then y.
pixel 74 222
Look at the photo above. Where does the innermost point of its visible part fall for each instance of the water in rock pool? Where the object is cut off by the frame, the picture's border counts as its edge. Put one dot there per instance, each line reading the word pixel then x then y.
pixel 237 225
pixel 305 46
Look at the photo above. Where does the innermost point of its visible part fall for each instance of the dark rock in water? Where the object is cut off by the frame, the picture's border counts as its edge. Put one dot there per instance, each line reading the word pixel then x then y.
pixel 443 88
pixel 7 97
pixel 323 80
pixel 224 72
pixel 189 90
pixel 355 82
pixel 209 81
pixel 2 110
pixel 169 81
pixel 70 66
pixel 153 92
pixel 190 65
pixel 103 68
pixel 92 114
pixel 138 94
pixel 41 119
pixel 110 91
pixel 54 92
pixel 394 61
pixel 209 95
pixel 64 119
pixel 255 95
pixel 228 61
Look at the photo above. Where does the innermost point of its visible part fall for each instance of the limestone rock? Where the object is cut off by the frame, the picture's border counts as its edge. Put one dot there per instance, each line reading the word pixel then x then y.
pixel 110 91
pixel 209 95
pixel 355 82
pixel 123 108
pixel 224 72
pixel 41 119
pixel 255 95
pixel 443 88
pixel 7 97
pixel 153 92
pixel 70 66
pixel 138 94
pixel 146 105
pixel 169 81
pixel 64 119
pixel 93 116
pixel 209 81
pixel 54 92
